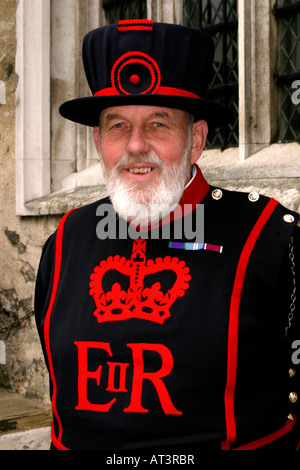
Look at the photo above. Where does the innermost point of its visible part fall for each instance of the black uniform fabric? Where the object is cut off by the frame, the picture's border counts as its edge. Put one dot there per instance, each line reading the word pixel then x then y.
pixel 154 375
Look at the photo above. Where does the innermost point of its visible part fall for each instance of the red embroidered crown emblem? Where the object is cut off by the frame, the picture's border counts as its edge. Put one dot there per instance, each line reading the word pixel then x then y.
pixel 147 303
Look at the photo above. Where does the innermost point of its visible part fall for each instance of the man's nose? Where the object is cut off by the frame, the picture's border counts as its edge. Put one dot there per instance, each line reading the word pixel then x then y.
pixel 137 142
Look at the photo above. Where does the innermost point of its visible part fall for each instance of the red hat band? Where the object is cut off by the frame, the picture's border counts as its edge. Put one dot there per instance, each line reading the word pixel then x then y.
pixel 161 90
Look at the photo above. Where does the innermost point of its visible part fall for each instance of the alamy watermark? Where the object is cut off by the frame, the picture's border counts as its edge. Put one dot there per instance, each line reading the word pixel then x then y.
pixel 296 354
pixel 187 224
pixel 296 94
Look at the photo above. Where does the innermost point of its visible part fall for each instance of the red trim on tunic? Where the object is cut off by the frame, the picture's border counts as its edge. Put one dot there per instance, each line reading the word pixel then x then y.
pixel 57 266
pixel 234 322
pixel 56 443
pixel 289 425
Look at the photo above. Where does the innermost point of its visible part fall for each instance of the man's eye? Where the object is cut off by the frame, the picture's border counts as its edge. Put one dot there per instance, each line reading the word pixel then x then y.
pixel 118 125
pixel 159 124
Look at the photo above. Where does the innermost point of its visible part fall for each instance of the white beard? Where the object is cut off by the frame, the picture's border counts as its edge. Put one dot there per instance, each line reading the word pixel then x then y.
pixel 145 204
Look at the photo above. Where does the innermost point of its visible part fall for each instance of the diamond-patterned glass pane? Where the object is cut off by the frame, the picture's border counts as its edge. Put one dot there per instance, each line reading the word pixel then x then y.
pixel 289 44
pixel 288 67
pixel 116 10
pixel 219 19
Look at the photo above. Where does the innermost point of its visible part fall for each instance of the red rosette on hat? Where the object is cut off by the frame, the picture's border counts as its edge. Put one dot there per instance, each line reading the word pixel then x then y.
pixel 135 73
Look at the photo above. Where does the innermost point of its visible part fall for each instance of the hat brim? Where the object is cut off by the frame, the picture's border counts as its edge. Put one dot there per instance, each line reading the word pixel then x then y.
pixel 87 110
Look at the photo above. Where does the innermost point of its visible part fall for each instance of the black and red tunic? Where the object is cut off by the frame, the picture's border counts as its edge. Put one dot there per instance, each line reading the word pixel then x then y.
pixel 163 343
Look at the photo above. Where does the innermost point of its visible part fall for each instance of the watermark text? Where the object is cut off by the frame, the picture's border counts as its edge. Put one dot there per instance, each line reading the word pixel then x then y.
pixel 296 93
pixel 187 223
pixel 296 353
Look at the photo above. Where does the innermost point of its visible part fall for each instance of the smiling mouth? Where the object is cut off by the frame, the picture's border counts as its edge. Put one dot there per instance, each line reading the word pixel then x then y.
pixel 140 170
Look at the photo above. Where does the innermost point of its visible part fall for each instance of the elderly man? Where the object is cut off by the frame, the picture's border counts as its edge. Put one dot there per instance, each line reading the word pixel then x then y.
pixel 176 343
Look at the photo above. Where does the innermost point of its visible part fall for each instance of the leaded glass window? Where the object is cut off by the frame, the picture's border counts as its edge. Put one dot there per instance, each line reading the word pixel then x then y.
pixel 219 19
pixel 287 13
pixel 116 10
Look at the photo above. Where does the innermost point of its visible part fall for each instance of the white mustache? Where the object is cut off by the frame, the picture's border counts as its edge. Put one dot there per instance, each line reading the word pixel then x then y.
pixel 151 159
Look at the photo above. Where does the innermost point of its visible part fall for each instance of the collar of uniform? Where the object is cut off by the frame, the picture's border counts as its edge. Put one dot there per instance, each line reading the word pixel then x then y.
pixel 195 190
pixel 193 195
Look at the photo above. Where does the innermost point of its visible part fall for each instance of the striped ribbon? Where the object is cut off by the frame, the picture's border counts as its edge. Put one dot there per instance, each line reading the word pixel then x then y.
pixel 196 246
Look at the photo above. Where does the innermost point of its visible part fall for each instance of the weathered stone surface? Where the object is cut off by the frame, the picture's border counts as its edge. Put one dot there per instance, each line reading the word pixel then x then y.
pixel 20 414
pixel 63 202
pixel 35 439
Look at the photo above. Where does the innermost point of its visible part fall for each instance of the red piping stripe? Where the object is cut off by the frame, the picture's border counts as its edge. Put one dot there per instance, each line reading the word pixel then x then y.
pixel 270 437
pixel 57 266
pixel 162 90
pixel 56 443
pixel 234 322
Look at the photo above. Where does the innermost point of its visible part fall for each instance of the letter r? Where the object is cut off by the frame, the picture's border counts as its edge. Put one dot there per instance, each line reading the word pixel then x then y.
pixel 139 375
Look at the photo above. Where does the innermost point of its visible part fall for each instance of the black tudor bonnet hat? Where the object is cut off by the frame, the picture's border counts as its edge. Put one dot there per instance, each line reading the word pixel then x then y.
pixel 147 63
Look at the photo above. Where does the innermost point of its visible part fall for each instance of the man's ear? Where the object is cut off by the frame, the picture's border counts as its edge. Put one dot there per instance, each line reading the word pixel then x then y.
pixel 200 130
pixel 96 135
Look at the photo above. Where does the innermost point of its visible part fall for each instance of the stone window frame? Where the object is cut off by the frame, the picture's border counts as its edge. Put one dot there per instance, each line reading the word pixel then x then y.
pixel 48 74
pixel 251 162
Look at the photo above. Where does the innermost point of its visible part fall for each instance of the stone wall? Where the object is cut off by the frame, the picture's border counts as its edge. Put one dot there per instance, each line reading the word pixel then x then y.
pixel 21 240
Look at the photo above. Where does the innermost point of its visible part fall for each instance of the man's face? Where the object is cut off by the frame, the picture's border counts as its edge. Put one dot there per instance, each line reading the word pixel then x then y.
pixel 146 154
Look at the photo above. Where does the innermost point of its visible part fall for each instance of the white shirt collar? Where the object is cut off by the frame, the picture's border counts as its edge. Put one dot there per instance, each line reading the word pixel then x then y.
pixel 194 171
